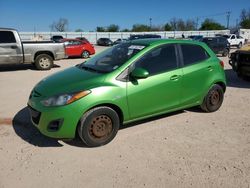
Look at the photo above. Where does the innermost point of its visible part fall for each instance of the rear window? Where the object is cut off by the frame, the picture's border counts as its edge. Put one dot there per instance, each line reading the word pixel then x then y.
pixel 193 54
pixel 7 37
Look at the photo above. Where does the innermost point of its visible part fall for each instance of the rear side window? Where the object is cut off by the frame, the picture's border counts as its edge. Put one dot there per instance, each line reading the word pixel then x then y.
pixel 193 54
pixel 7 37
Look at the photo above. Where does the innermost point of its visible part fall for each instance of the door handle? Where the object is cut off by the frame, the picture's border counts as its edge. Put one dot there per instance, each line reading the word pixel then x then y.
pixel 174 77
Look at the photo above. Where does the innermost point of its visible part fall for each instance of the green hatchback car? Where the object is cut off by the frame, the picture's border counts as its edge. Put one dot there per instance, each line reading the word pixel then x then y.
pixel 127 82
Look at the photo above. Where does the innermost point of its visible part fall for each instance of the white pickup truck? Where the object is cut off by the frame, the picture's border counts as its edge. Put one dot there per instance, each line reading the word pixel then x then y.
pixel 40 53
pixel 235 40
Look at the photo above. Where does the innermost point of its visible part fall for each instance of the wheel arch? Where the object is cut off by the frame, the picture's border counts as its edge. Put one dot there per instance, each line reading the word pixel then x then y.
pixel 222 84
pixel 44 52
pixel 116 108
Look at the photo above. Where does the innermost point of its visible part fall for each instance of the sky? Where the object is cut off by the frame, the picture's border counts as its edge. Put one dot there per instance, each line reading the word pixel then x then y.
pixel 38 15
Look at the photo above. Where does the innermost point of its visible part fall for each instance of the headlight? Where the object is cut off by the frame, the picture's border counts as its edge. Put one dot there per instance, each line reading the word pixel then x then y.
pixel 63 99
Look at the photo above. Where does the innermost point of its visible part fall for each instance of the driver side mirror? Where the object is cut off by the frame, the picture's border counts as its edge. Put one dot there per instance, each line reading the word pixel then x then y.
pixel 139 73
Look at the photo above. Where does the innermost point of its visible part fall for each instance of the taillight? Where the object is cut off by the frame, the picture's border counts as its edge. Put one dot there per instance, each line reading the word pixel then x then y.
pixel 222 64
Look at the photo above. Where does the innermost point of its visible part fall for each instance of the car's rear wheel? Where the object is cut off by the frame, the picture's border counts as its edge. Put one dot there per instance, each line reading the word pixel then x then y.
pixel 98 126
pixel 85 54
pixel 213 99
pixel 44 62
pixel 225 53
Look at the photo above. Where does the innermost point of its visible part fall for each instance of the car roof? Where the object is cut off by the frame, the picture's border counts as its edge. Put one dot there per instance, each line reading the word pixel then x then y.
pixel 70 40
pixel 7 29
pixel 151 42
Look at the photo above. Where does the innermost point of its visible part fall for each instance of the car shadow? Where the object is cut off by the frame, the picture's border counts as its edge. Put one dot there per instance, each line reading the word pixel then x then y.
pixel 20 67
pixel 234 81
pixel 147 120
pixel 28 132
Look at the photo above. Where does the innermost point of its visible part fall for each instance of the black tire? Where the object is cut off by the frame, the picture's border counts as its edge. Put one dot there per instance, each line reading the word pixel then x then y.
pixel 85 54
pixel 240 45
pixel 213 100
pixel 98 126
pixel 225 53
pixel 44 62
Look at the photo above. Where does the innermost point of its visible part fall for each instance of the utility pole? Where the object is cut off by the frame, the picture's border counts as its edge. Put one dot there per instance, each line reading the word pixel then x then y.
pixel 197 23
pixel 228 18
pixel 150 23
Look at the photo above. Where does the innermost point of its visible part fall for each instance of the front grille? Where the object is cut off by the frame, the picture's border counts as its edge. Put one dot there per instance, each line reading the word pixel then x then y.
pixel 35 115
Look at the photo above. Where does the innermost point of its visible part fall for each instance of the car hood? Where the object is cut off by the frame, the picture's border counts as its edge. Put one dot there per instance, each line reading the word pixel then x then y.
pixel 67 81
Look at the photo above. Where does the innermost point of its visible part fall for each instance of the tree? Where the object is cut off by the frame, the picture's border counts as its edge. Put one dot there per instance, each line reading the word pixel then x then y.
pixel 61 25
pixel 113 28
pixel 125 30
pixel 173 24
pixel 100 29
pixel 180 24
pixel 140 28
pixel 78 30
pixel 210 24
pixel 190 25
pixel 245 24
pixel 245 19
pixel 167 27
pixel 157 28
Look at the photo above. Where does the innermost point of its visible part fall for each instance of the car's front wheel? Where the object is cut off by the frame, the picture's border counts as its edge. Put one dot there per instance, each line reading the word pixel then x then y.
pixel 213 99
pixel 98 126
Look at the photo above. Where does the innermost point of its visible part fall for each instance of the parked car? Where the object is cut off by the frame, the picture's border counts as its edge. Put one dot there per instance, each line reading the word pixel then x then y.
pixel 56 38
pixel 235 40
pixel 240 62
pixel 118 41
pixel 125 83
pixel 104 42
pixel 196 37
pixel 146 36
pixel 219 45
pixel 78 48
pixel 83 39
pixel 40 53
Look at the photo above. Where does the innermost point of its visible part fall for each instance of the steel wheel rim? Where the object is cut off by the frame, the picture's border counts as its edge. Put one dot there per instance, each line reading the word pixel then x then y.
pixel 215 97
pixel 101 127
pixel 44 62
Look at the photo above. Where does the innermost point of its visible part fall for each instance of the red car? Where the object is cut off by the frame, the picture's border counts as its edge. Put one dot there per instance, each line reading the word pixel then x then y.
pixel 78 48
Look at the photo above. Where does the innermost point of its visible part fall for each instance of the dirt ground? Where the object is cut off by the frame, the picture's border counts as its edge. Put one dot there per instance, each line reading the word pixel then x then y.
pixel 184 149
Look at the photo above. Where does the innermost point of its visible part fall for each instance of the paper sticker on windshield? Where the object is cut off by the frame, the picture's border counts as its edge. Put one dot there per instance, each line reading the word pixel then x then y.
pixel 136 47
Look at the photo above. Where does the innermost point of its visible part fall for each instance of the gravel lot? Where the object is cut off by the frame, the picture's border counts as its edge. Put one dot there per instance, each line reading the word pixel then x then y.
pixel 184 149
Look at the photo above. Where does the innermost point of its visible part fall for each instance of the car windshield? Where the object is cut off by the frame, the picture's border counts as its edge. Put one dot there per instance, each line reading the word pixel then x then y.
pixel 112 58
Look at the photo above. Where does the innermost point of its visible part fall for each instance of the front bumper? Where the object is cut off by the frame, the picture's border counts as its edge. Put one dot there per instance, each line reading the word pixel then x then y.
pixel 55 122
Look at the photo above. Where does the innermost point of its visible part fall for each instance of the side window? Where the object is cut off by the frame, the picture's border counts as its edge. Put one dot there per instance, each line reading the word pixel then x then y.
pixel 76 43
pixel 193 54
pixel 233 37
pixel 7 37
pixel 159 60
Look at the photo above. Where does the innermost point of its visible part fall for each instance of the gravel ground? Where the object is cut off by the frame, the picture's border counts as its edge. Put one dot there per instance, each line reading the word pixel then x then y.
pixel 183 149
